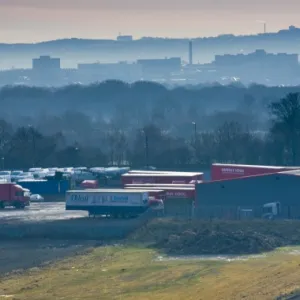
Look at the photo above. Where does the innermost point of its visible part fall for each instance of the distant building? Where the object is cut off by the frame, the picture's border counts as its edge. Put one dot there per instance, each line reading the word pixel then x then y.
pixel 259 57
pixel 190 53
pixel 160 67
pixel 124 38
pixel 46 63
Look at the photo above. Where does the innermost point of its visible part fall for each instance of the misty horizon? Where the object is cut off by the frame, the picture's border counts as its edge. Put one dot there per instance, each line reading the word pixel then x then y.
pixel 33 21
pixel 136 38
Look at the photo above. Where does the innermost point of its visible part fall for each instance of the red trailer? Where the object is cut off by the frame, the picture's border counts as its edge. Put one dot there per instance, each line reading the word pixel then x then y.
pixel 13 195
pixel 158 172
pixel 167 178
pixel 231 171
pixel 172 192
pixel 160 185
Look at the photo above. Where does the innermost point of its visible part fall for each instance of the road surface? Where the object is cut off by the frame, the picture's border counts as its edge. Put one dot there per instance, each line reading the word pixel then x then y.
pixel 46 211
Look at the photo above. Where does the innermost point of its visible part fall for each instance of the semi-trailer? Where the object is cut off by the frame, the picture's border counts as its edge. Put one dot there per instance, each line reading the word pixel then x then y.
pixel 160 186
pixel 172 192
pixel 13 195
pixel 231 171
pixel 109 202
pixel 166 178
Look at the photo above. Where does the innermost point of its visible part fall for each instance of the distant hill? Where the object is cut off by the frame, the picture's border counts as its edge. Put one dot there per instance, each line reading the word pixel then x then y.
pixel 75 50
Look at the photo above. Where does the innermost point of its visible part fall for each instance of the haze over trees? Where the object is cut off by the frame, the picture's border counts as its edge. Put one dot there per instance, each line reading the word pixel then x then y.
pixel 114 123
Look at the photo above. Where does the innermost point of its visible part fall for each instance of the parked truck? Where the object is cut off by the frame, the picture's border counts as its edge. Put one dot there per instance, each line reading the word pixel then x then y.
pixel 13 195
pixel 109 202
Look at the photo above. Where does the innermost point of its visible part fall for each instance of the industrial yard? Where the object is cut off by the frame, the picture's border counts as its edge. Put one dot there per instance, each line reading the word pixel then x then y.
pixel 39 212
pixel 157 232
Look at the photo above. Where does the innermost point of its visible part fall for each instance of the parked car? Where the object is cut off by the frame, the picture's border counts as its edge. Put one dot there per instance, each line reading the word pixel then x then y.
pixel 36 198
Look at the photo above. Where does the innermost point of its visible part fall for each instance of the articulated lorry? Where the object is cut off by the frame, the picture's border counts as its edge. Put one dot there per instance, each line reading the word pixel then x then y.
pixel 111 202
pixel 13 195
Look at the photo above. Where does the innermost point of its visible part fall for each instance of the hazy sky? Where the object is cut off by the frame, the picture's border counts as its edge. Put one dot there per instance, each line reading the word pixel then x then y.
pixel 36 20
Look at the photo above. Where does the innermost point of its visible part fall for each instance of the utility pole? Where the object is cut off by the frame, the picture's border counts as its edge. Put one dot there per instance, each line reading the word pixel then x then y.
pixel 32 132
pixel 195 133
pixel 3 163
pixel 33 141
pixel 146 150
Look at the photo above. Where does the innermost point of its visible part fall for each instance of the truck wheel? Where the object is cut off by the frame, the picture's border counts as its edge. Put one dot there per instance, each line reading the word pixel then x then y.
pixel 19 206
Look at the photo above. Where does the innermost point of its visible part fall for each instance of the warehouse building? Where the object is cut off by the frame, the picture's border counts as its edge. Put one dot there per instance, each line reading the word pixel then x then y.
pixel 226 198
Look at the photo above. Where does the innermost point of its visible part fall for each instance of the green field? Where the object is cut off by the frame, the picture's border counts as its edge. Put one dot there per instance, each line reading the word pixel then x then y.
pixel 133 271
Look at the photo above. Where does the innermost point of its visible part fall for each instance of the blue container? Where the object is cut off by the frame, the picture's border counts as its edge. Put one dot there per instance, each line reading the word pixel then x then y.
pixel 50 187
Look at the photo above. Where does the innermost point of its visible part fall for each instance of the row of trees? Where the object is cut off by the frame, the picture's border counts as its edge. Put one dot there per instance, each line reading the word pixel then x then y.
pixel 131 106
pixel 27 146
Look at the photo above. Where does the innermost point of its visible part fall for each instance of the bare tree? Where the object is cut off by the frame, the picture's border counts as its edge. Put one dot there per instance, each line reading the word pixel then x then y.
pixel 286 123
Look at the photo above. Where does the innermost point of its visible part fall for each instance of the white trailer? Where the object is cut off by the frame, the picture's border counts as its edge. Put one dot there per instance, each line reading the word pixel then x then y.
pixel 112 202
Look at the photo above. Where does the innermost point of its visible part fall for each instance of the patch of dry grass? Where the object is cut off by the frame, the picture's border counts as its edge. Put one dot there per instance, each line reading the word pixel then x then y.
pixel 131 273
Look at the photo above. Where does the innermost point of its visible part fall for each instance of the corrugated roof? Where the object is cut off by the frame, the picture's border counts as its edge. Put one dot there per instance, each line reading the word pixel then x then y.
pixel 160 185
pixel 252 166
pixel 295 172
pixel 167 188
pixel 179 174
pixel 109 191
pixel 161 172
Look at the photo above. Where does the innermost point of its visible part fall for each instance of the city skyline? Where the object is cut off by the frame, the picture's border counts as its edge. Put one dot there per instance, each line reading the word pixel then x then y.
pixel 39 20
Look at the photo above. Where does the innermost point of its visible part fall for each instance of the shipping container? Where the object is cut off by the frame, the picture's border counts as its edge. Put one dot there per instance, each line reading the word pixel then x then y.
pixel 231 171
pixel 170 178
pixel 47 187
pixel 108 201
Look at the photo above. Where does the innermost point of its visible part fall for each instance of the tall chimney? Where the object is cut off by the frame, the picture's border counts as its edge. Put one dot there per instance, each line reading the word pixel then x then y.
pixel 190 52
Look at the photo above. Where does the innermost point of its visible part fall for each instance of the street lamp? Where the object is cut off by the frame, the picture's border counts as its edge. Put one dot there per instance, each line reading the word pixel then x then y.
pixel 33 143
pixel 146 148
pixel 195 132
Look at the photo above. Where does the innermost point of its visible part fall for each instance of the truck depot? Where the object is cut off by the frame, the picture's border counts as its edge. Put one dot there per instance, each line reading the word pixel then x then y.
pixel 233 192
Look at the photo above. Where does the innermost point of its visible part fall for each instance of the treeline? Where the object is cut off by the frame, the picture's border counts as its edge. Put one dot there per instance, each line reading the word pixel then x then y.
pixel 74 139
pixel 135 105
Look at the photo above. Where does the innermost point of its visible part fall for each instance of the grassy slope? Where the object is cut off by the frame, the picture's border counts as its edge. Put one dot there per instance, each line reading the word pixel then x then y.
pixel 131 273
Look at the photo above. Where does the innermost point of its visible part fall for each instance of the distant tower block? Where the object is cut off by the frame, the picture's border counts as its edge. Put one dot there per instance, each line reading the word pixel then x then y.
pixel 265 27
pixel 190 52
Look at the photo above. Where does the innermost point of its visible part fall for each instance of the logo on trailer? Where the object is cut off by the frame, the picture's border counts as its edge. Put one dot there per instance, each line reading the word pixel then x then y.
pixel 232 171
pixel 79 198
pixel 176 194
pixel 120 199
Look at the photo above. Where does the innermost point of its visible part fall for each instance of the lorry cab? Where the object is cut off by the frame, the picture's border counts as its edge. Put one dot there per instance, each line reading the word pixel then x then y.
pixel 271 210
pixel 157 205
pixel 20 196
pixel 14 195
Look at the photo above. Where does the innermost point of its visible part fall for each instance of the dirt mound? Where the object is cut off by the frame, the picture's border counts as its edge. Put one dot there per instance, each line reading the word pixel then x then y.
pixel 196 238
